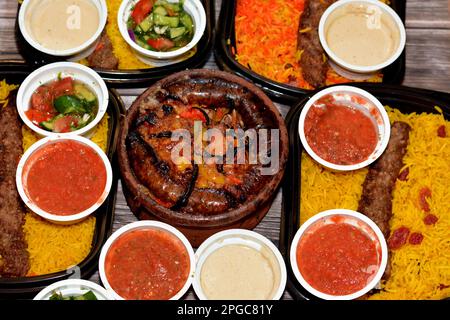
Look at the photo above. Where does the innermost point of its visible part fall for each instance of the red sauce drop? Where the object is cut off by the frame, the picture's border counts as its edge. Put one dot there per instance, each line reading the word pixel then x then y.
pixel 337 259
pixel 441 132
pixel 415 238
pixel 430 219
pixel 147 264
pixel 65 178
pixel 398 238
pixel 424 193
pixel 443 286
pixel 403 176
pixel 339 134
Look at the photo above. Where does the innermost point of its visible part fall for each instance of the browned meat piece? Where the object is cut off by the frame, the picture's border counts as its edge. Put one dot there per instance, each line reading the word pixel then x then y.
pixel 376 199
pixel 154 173
pixel 103 56
pixel 13 249
pixel 314 68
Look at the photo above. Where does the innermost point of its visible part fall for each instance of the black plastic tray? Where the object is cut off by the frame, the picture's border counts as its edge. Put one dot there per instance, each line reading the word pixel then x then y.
pixel 405 99
pixel 225 41
pixel 139 77
pixel 28 286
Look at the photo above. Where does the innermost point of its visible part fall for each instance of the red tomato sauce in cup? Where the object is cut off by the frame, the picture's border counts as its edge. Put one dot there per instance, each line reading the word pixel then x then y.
pixel 337 259
pixel 339 134
pixel 147 264
pixel 64 178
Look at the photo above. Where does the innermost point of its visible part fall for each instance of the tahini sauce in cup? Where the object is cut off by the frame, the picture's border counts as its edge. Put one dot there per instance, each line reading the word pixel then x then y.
pixel 362 34
pixel 62 24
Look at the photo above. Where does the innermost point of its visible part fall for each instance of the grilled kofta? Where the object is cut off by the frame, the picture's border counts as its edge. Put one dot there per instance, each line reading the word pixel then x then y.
pixel 312 61
pixel 207 187
pixel 13 248
pixel 376 199
pixel 103 56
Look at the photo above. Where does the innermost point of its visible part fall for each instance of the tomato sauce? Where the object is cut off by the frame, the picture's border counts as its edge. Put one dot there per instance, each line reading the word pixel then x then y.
pixel 339 134
pixel 64 178
pixel 337 259
pixel 147 264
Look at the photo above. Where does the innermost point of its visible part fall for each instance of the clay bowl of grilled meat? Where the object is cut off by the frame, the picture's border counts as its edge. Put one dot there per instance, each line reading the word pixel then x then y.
pixel 211 184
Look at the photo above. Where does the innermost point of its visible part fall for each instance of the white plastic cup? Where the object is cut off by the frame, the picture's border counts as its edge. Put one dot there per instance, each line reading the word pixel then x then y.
pixel 237 237
pixel 356 219
pixel 50 73
pixel 62 219
pixel 373 109
pixel 155 58
pixel 73 54
pixel 353 71
pixel 145 225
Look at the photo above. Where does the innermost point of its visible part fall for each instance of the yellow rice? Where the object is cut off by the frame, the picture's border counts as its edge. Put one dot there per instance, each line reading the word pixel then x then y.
pixel 5 89
pixel 417 270
pixel 54 248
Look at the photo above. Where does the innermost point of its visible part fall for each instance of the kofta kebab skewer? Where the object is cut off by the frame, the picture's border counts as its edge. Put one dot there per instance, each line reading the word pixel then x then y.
pixel 376 198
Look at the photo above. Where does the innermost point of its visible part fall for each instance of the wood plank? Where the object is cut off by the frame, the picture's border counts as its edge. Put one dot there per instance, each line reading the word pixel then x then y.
pixel 428 59
pixel 427 14
pixel 8 44
pixel 8 8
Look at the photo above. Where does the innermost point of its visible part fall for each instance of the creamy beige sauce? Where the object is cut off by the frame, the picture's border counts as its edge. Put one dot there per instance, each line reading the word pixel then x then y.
pixel 362 35
pixel 240 272
pixel 62 24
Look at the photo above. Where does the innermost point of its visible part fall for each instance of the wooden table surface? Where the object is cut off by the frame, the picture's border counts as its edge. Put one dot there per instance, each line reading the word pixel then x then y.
pixel 427 66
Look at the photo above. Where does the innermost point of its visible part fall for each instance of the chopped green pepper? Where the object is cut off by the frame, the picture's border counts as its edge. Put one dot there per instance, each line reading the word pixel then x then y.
pixel 69 104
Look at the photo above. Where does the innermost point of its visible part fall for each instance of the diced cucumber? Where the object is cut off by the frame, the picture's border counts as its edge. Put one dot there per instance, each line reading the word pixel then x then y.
pixel 84 93
pixel 175 7
pixel 186 21
pixel 172 22
pixel 50 124
pixel 147 23
pixel 143 44
pixel 160 2
pixel 180 41
pixel 160 10
pixel 47 125
pixel 138 30
pixel 177 32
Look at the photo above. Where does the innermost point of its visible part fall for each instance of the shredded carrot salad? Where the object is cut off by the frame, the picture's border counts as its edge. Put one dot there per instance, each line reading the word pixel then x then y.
pixel 266 41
